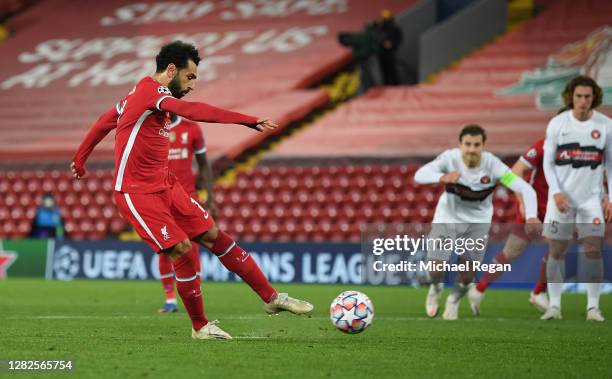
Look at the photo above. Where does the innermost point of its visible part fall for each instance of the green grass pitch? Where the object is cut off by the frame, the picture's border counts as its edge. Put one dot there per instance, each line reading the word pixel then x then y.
pixel 111 329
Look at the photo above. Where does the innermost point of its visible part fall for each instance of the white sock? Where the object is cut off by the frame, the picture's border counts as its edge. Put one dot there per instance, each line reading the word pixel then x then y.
pixel 458 292
pixel 555 272
pixel 593 292
pixel 436 287
pixel 594 271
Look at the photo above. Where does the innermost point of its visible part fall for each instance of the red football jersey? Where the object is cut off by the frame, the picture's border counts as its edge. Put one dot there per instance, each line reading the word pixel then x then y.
pixel 534 158
pixel 141 140
pixel 186 139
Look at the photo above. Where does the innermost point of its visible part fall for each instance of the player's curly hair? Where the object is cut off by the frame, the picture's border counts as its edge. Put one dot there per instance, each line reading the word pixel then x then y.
pixel 177 52
pixel 585 81
pixel 473 130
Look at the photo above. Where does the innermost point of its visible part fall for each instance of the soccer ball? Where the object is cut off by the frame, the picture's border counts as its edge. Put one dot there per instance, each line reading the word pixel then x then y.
pixel 351 312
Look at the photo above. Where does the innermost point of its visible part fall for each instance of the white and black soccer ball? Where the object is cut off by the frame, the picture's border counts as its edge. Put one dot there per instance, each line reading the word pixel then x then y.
pixel 351 312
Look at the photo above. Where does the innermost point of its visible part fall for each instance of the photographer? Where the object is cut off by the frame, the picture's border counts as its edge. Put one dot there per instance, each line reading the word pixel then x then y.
pixel 392 35
pixel 364 45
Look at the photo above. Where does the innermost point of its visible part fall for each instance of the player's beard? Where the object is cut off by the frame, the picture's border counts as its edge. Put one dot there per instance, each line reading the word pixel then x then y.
pixel 175 87
pixel 472 159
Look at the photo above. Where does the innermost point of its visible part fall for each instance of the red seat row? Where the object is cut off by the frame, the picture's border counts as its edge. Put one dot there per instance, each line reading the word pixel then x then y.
pixel 294 203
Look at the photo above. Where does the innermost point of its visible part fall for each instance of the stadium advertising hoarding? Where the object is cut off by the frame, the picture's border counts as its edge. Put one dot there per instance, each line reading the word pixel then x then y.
pixel 281 262
pixel 23 258
pixel 334 263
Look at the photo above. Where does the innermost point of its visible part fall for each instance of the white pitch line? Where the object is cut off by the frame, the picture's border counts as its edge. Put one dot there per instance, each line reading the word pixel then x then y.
pixel 250 338
pixel 254 317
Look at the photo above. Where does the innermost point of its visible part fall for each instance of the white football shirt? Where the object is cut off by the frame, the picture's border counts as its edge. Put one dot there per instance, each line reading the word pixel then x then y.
pixel 575 151
pixel 469 200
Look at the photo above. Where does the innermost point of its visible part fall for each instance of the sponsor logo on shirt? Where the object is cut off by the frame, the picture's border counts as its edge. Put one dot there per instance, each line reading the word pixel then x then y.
pixel 468 194
pixel 578 156
pixel 178 153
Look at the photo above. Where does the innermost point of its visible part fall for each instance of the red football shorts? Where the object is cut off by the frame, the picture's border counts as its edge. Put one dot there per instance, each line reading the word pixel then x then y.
pixel 165 218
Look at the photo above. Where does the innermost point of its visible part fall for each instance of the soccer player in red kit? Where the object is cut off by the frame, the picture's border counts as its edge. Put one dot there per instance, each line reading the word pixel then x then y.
pixel 186 142
pixel 151 198
pixel 529 163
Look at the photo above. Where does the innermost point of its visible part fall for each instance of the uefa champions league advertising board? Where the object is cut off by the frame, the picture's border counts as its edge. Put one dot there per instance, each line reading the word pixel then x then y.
pixel 280 262
pixel 326 263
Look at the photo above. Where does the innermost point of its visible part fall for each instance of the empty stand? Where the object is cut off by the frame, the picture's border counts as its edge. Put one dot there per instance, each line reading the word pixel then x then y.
pixel 72 61
pixel 425 119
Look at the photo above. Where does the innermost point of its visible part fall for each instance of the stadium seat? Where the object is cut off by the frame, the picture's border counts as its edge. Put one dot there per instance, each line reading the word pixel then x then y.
pixel 291 203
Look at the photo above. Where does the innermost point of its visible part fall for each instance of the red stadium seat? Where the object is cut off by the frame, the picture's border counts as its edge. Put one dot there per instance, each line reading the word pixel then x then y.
pixel 30 212
pixel 78 186
pixel 109 211
pixel 17 214
pixel 85 199
pixel 107 185
pixel 93 184
pixel 77 212
pixel 100 199
pixel 4 186
pixel 10 200
pixel 34 186
pixel 93 213
pixel 324 203
pixel 25 199
pixel 116 225
pixel 69 199
pixel 23 228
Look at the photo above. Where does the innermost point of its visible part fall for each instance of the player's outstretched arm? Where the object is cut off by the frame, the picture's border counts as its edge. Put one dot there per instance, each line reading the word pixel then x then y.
pixel 203 112
pixel 435 172
pixel 527 193
pixel 520 169
pixel 106 123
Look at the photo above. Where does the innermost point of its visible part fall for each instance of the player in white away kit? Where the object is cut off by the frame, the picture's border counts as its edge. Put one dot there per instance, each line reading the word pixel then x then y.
pixel 465 209
pixel 576 141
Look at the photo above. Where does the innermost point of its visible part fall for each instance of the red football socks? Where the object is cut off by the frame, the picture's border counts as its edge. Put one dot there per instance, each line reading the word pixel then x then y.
pixel 488 277
pixel 240 262
pixel 188 286
pixel 541 283
pixel 167 277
